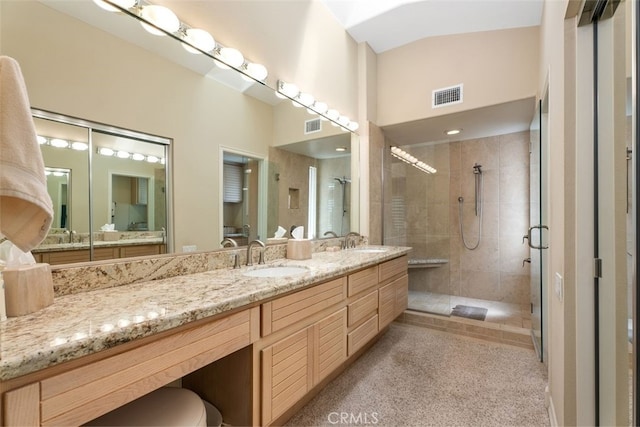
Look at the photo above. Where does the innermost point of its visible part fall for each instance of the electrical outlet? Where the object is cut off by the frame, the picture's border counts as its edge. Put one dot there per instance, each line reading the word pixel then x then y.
pixel 559 286
pixel 189 248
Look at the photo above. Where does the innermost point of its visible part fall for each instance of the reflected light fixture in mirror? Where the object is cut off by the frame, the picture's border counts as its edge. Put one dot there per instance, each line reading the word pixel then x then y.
pixel 303 99
pixel 62 143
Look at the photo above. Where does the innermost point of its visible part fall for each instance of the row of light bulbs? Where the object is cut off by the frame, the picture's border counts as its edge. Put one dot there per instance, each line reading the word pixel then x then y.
pixel 194 40
pixel 62 143
pixel 104 151
pixel 408 158
pixel 122 154
pixel 199 41
pixel 303 99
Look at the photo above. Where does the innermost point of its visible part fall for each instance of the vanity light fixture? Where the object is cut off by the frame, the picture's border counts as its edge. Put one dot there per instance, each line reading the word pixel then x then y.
pixel 411 160
pixel 41 140
pixel 453 131
pixel 302 99
pixel 161 17
pixel 121 154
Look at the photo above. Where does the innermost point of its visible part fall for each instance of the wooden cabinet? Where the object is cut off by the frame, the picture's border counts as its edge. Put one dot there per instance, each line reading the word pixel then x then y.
pixel 295 364
pixel 78 395
pixel 393 300
pixel 286 374
pixel 329 344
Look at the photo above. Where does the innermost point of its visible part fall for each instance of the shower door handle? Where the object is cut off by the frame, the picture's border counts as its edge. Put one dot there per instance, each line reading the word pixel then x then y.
pixel 534 227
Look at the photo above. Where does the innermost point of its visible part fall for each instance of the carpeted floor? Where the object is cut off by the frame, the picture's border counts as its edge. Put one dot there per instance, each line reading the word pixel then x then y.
pixel 416 376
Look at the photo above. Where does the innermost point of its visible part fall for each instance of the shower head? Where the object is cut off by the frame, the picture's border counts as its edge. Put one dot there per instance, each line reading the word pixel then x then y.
pixel 477 169
pixel 343 180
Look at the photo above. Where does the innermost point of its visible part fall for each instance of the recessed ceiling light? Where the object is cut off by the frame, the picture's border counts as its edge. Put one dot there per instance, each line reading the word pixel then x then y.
pixel 453 131
pixel 341 149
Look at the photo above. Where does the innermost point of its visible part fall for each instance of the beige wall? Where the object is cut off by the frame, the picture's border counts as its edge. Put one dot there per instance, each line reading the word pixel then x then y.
pixel 494 66
pixel 298 41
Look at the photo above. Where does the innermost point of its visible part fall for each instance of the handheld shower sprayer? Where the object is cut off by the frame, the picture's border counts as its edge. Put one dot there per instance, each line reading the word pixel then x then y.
pixel 477 171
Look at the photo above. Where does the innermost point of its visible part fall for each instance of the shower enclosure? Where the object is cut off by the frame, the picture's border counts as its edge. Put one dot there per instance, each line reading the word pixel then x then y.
pixel 464 216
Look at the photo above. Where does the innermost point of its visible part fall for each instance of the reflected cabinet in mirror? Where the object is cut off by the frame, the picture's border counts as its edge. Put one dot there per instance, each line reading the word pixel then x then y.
pixel 108 187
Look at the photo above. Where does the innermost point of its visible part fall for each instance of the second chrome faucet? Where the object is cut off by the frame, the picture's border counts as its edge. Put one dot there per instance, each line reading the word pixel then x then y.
pixel 250 246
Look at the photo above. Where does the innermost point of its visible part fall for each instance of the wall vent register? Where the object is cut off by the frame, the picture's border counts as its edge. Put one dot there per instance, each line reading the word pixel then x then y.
pixel 312 126
pixel 447 96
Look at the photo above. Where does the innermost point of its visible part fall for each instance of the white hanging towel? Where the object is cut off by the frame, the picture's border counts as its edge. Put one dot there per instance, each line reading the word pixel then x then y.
pixel 26 211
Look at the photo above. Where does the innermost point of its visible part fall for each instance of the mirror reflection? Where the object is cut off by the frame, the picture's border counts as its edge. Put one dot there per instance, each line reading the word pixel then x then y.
pixel 125 181
pixel 241 189
pixel 311 181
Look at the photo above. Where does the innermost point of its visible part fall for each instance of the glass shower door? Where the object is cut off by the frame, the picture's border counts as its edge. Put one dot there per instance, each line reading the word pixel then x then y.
pixel 538 217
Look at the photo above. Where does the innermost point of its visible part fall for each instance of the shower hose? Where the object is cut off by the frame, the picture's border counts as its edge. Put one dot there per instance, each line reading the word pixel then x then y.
pixel 479 185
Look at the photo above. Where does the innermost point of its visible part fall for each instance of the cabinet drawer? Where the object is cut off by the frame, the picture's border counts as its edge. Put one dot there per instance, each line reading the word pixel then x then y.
pixel 330 343
pixel 82 394
pixel 140 250
pixel 362 334
pixel 286 374
pixel 363 308
pixel 363 280
pixel 392 268
pixel 291 309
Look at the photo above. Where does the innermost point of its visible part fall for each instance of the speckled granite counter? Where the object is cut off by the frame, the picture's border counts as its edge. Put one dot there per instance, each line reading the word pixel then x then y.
pixel 80 324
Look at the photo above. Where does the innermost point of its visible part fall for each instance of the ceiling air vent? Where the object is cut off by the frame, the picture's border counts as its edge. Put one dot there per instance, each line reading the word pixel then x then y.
pixel 312 126
pixel 447 96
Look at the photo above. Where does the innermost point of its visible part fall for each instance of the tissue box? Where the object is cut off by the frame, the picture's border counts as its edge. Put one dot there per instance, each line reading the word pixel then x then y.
pixel 27 288
pixel 110 236
pixel 299 249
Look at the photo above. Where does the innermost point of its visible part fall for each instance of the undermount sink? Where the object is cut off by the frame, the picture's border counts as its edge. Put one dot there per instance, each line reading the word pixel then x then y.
pixel 276 271
pixel 369 250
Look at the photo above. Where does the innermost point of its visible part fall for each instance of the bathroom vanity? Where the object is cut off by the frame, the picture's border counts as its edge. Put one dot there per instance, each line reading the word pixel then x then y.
pixel 255 345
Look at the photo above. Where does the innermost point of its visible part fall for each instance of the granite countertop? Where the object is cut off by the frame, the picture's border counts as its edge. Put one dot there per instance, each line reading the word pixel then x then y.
pixel 98 244
pixel 84 323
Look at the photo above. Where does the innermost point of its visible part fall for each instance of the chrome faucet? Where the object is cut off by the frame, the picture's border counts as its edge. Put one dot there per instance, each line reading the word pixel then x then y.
pixel 262 246
pixel 228 241
pixel 71 233
pixel 348 242
pixel 331 233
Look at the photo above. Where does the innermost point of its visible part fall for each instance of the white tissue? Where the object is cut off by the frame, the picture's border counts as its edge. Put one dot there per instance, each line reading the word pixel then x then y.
pixel 12 256
pixel 280 232
pixel 298 232
pixel 108 227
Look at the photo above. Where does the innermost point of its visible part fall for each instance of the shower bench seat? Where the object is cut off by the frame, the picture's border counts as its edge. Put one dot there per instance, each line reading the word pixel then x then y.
pixel 427 262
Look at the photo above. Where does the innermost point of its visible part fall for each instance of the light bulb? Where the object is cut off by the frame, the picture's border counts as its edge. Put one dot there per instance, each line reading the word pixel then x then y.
pixel 353 126
pixel 80 146
pixel 105 151
pixel 161 17
pixel 152 159
pixel 333 114
pixel 200 39
pixel 137 156
pixel 123 154
pixel 289 89
pixel 257 71
pixel 306 99
pixel 59 143
pixel 231 56
pixel 320 107
pixel 42 140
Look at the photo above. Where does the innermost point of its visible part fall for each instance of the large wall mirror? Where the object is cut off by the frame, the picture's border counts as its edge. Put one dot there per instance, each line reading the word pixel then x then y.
pixel 80 61
pixel 108 187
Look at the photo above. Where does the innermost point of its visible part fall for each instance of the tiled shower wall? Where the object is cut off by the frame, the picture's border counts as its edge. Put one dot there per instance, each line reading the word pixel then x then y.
pixel 422 211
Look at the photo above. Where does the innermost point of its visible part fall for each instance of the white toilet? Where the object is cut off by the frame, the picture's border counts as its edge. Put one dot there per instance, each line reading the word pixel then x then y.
pixel 168 406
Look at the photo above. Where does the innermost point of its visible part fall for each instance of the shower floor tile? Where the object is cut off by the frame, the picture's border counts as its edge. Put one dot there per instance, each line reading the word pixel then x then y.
pixel 498 312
